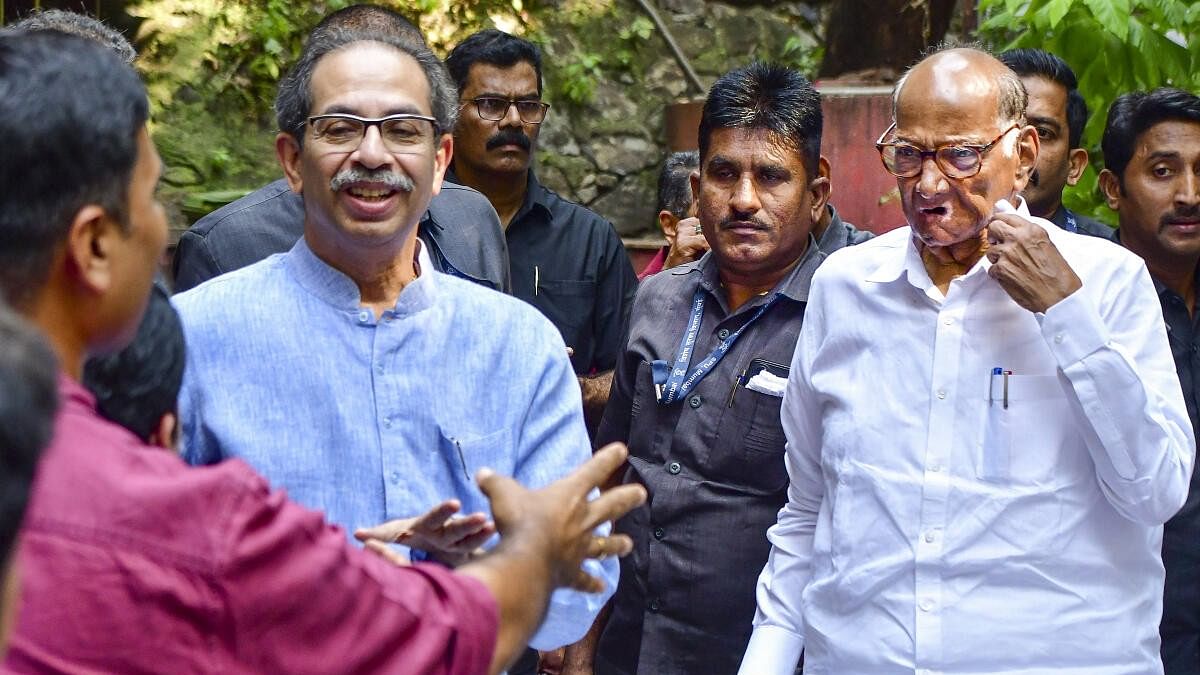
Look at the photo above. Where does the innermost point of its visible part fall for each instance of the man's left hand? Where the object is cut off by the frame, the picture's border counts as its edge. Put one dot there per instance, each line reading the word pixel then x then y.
pixel 447 538
pixel 1027 265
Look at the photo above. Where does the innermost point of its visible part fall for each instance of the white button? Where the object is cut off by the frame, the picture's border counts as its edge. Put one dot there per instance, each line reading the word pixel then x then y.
pixel 948 321
pixel 1058 339
pixel 387 422
pixel 364 316
pixel 929 537
pixel 941 393
pixel 926 605
pixel 935 467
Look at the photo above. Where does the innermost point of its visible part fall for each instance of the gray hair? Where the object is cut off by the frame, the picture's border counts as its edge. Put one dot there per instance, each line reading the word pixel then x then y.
pixel 1012 98
pixel 78 24
pixel 293 103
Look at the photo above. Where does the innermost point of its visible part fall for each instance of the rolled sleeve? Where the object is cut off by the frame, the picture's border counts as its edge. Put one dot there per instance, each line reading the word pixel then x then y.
pixel 1119 365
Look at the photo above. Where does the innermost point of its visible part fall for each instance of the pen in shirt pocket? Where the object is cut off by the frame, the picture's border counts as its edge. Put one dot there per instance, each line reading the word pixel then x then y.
pixel 1004 375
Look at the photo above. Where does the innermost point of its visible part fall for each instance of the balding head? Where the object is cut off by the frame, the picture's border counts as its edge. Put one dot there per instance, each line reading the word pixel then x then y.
pixel 964 77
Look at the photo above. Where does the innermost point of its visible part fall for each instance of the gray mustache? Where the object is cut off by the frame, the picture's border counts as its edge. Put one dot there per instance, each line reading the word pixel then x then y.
pixel 391 179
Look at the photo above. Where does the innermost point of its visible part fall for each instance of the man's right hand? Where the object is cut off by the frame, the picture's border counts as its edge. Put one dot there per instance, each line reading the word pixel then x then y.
pixel 446 538
pixel 689 243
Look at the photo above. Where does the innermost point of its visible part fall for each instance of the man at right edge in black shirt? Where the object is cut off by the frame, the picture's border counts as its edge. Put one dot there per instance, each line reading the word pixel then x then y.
pixel 1151 178
pixel 1058 112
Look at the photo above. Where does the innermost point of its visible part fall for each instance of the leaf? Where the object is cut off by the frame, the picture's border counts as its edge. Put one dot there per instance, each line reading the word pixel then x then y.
pixel 1055 10
pixel 1113 15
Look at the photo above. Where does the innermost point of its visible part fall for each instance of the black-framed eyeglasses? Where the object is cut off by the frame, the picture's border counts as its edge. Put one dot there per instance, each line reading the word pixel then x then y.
pixel 956 160
pixel 494 108
pixel 403 133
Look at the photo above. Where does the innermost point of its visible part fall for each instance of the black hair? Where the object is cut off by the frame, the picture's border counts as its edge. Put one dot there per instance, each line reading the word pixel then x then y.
pixel 138 385
pixel 28 403
pixel 1133 113
pixel 1040 63
pixel 70 115
pixel 81 25
pixel 496 48
pixel 674 182
pixel 293 102
pixel 770 97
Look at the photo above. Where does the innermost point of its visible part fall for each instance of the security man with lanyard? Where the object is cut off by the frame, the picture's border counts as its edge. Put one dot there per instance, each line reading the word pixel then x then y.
pixel 700 379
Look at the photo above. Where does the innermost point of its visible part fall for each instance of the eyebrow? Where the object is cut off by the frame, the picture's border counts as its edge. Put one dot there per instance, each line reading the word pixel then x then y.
pixel 520 97
pixel 1047 121
pixel 398 110
pixel 1163 154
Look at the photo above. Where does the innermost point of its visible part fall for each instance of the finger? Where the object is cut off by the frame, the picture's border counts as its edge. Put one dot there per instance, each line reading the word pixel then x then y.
pixel 582 581
pixel 595 471
pixel 493 485
pixel 614 503
pixel 389 531
pixel 436 517
pixel 387 553
pixel 460 528
pixel 470 543
pixel 616 545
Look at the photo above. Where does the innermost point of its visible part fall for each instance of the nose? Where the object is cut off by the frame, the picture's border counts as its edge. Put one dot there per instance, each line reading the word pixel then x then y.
pixel 744 199
pixel 511 117
pixel 931 181
pixel 1188 193
pixel 371 153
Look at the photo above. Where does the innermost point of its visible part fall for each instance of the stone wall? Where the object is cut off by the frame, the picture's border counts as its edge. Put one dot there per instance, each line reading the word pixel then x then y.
pixel 605 152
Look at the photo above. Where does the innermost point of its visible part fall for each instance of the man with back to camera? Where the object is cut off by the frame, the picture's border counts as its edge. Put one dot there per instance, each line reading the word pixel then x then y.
pixel 565 260
pixel 675 204
pixel 982 459
pixel 385 383
pixel 460 228
pixel 204 569
pixel 1058 112
pixel 698 385
pixel 1151 178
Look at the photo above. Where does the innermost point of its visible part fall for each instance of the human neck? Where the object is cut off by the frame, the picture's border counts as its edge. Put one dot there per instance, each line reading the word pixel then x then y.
pixel 740 289
pixel 51 312
pixel 505 190
pixel 379 272
pixel 1044 211
pixel 1176 273
pixel 944 263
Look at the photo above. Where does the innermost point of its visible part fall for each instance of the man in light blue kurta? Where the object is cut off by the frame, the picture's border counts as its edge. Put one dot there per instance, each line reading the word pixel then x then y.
pixel 375 396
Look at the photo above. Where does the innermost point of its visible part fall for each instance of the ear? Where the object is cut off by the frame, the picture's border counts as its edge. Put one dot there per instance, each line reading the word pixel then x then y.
pixel 165 435
pixel 1110 185
pixel 1028 146
pixel 91 243
pixel 1078 162
pixel 694 180
pixel 669 224
pixel 441 160
pixel 287 149
pixel 819 190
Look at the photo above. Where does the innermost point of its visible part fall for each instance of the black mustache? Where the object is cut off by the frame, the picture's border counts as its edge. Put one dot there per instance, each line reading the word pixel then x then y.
pixel 724 224
pixel 509 137
pixel 1185 215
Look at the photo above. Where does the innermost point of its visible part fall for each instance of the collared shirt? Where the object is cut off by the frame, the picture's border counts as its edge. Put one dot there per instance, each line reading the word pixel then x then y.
pixel 713 465
pixel 656 264
pixel 460 229
pixel 929 527
pixel 570 264
pixel 1180 628
pixel 133 562
pixel 370 420
pixel 1079 224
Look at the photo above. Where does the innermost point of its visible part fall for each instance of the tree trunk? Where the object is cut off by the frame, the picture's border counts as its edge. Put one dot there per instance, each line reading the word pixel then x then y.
pixel 882 37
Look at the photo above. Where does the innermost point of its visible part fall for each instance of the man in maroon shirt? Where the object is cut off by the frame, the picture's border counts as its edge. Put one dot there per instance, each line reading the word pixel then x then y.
pixel 133 562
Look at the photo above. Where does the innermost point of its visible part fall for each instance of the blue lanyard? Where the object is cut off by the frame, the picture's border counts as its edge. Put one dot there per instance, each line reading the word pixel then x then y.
pixel 672 384
pixel 1071 225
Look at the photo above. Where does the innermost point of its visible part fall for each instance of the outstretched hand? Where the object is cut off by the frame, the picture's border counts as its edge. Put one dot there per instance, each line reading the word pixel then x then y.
pixel 447 538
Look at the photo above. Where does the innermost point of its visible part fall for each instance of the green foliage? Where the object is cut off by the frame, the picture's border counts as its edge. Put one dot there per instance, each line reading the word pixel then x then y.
pixel 596 53
pixel 802 53
pixel 1114 47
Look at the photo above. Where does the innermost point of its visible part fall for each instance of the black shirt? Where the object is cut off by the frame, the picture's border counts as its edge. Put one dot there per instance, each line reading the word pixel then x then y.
pixel 713 465
pixel 1073 222
pixel 1180 627
pixel 460 230
pixel 570 264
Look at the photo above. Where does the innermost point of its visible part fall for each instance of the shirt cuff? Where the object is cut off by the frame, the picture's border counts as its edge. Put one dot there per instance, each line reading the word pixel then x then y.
pixel 1073 329
pixel 772 651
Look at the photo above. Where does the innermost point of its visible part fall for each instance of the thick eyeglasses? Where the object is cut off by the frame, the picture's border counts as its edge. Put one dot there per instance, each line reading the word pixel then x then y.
pixel 958 160
pixel 493 109
pixel 403 133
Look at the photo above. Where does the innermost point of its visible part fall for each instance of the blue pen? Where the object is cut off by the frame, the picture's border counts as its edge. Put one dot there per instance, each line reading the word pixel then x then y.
pixel 992 386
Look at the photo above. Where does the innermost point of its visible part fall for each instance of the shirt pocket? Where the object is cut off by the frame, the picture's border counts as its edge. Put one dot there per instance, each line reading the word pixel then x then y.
pixel 568 304
pixel 644 417
pixel 462 453
pixel 1024 432
pixel 749 448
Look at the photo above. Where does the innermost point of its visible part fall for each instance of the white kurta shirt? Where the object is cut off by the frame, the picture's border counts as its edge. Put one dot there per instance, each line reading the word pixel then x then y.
pixel 932 529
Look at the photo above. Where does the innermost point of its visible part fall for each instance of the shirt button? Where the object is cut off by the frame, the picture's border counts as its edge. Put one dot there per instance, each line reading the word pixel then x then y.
pixel 935 468
pixel 723 334
pixel 395 477
pixel 674 468
pixel 941 393
pixel 659 533
pixel 379 368
pixel 926 605
pixel 929 537
pixel 387 423
pixel 1058 339
pixel 654 605
pixel 364 316
pixel 948 321
pixel 695 402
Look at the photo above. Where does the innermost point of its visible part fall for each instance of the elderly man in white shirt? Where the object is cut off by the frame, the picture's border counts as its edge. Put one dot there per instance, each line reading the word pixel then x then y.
pixel 981 460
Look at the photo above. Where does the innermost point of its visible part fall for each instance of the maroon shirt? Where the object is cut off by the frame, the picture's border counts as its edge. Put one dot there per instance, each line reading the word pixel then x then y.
pixel 656 264
pixel 133 562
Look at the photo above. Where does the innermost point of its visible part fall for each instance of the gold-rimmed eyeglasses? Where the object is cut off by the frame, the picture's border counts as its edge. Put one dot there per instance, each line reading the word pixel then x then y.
pixel 956 160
